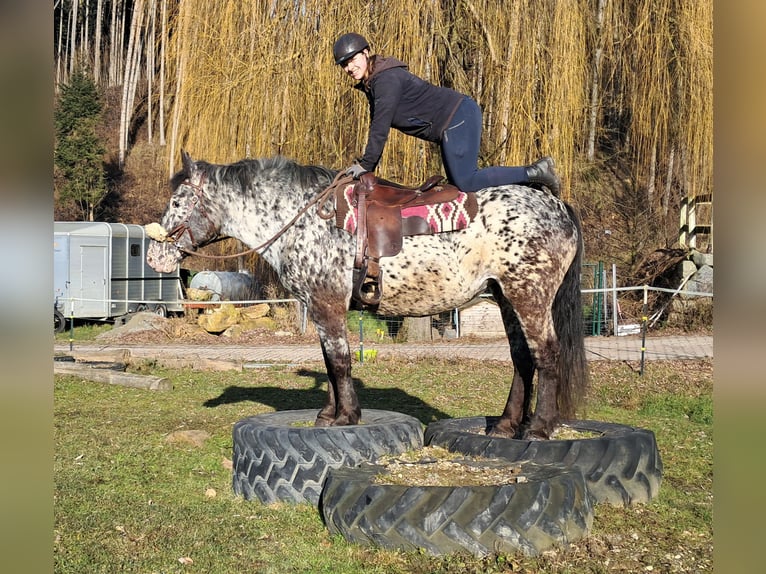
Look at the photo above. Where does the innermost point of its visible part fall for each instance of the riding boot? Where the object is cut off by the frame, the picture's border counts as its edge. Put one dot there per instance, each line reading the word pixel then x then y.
pixel 543 172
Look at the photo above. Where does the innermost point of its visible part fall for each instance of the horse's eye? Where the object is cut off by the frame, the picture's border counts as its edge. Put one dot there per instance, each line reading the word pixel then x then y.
pixel 175 203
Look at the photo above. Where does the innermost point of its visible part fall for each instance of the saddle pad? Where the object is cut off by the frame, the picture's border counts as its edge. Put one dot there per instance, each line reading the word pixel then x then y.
pixel 440 217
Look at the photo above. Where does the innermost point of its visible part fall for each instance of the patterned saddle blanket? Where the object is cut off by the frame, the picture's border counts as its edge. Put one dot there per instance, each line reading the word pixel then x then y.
pixel 381 213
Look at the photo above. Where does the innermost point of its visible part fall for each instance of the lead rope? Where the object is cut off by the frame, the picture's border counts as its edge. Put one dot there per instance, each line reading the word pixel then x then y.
pixel 340 180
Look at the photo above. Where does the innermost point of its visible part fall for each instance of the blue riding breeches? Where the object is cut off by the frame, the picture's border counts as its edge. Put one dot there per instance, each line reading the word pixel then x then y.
pixel 460 153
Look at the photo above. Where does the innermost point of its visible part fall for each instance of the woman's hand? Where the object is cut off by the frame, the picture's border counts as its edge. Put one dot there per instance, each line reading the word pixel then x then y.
pixel 356 171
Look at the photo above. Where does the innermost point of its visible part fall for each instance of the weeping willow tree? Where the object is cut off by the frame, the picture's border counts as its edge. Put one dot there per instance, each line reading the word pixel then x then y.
pixel 257 78
pixel 657 97
pixel 623 83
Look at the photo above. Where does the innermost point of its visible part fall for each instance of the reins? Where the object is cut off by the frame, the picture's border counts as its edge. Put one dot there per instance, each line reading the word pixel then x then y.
pixel 340 179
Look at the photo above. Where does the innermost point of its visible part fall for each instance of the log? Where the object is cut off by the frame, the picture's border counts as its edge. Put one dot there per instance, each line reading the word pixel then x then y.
pixel 112 377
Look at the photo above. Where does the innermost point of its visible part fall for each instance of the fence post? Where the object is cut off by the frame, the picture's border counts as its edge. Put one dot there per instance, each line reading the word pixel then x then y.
pixel 643 328
pixel 614 299
pixel 361 336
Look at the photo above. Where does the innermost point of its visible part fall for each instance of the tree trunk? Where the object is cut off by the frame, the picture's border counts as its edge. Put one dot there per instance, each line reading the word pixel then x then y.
pixel 417 328
pixel 668 182
pixel 132 61
pixel 652 179
pixel 112 76
pixel 594 90
pixel 161 110
pixel 97 44
pixel 58 52
pixel 181 31
pixel 86 33
pixel 150 68
pixel 72 37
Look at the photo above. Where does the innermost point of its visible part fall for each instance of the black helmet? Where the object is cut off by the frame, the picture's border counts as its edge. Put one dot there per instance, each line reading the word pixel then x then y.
pixel 348 46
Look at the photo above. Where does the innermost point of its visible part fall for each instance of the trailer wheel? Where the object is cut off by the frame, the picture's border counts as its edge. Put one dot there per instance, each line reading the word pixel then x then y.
pixel 59 323
pixel 161 310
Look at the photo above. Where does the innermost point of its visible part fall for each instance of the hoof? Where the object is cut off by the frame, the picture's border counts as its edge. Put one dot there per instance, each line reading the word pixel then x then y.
pixel 324 421
pixel 346 419
pixel 536 435
pixel 503 429
pixel 499 431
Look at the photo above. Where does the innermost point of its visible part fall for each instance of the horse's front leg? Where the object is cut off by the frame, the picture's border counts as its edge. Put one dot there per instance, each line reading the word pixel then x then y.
pixel 342 406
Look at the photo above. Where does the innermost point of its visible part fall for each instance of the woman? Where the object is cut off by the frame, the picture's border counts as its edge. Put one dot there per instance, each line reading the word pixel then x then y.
pixel 401 100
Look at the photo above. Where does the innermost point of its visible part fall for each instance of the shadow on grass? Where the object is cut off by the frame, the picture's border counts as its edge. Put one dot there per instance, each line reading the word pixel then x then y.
pixel 282 399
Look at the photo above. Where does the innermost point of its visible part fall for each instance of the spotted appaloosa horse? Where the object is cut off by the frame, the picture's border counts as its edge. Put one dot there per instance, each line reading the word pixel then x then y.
pixel 524 245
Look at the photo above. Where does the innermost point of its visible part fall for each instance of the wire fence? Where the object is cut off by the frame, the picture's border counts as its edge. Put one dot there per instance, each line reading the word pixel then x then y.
pixel 607 310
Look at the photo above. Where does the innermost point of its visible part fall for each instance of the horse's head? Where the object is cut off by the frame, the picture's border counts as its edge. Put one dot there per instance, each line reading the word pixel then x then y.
pixel 188 222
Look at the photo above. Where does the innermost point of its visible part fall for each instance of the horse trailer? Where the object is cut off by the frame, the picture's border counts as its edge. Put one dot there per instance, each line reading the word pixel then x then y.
pixel 100 273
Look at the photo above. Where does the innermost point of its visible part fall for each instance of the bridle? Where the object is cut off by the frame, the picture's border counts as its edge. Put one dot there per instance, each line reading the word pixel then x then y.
pixel 194 202
pixel 175 234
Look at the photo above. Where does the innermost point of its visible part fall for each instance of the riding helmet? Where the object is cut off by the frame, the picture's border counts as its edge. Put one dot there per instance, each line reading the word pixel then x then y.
pixel 348 46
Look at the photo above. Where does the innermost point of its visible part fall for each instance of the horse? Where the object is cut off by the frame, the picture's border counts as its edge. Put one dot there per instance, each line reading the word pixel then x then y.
pixel 524 246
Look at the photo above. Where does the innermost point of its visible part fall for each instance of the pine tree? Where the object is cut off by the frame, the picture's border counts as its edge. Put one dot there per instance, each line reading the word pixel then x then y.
pixel 79 153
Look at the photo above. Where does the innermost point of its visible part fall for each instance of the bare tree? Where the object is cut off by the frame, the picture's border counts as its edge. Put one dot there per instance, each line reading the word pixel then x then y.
pixel 97 43
pixel 72 37
pixel 130 81
pixel 594 91
pixel 163 34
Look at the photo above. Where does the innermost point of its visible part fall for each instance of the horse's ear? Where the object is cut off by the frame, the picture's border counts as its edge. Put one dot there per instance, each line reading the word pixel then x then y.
pixel 188 163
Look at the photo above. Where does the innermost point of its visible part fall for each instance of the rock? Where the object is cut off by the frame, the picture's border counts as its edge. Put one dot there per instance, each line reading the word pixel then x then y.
pixel 255 311
pixel 143 321
pixel 233 331
pixel 702 280
pixel 220 319
pixel 702 259
pixel 688 268
pixel 198 294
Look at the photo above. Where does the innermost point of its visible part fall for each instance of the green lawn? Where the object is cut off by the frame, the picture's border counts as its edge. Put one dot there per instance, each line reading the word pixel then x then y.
pixel 128 500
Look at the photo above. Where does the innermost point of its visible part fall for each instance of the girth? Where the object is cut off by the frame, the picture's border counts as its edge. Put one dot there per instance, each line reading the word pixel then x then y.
pixel 381 213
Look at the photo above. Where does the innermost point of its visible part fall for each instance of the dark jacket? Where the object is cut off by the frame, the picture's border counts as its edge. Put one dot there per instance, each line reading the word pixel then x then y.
pixel 401 100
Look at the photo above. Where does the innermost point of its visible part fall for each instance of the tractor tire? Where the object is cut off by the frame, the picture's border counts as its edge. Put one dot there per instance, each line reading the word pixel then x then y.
pixel 275 460
pixel 550 508
pixel 622 466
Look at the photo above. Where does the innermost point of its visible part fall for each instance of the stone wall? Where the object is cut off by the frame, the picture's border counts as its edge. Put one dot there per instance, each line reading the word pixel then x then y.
pixel 689 310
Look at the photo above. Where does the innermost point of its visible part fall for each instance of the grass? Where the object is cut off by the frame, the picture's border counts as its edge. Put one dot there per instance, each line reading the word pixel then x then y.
pixel 128 500
pixel 82 332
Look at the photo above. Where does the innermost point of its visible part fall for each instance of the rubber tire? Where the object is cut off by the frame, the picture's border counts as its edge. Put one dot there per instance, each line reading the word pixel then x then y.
pixel 621 467
pixel 160 310
pixel 59 322
pixel 552 508
pixel 273 460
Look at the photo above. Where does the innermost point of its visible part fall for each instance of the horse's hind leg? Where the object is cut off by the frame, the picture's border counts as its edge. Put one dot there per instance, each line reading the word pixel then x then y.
pixel 544 350
pixel 534 347
pixel 516 412
pixel 342 406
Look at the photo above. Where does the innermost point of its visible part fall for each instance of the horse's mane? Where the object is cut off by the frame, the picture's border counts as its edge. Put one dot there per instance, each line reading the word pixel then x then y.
pixel 243 172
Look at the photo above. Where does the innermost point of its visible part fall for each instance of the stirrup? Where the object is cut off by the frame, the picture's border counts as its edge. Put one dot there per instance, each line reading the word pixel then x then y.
pixel 367 289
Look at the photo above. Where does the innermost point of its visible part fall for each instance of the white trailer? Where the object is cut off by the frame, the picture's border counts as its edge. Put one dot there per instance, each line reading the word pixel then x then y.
pixel 100 273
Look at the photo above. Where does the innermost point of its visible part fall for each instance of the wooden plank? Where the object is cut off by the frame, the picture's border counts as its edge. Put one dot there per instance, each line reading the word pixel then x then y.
pixel 112 377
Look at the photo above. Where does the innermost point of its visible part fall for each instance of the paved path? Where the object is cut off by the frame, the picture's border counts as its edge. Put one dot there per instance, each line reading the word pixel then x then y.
pixel 597 348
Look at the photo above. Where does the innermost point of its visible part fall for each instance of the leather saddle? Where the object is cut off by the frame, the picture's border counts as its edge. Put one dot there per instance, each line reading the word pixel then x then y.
pixel 386 212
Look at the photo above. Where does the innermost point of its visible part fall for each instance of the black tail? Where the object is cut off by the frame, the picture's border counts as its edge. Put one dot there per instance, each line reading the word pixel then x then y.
pixel 568 322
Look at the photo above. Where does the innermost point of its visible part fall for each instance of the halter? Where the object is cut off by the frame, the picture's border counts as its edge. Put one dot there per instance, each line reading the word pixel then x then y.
pixel 196 200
